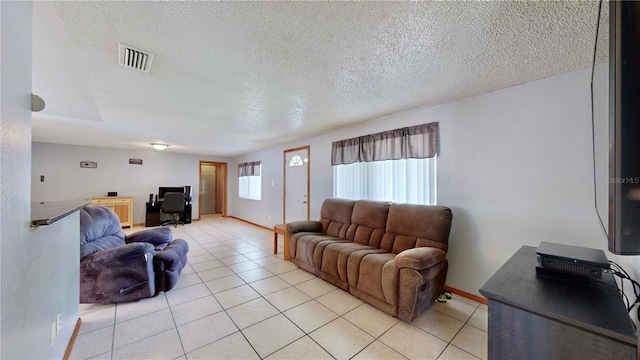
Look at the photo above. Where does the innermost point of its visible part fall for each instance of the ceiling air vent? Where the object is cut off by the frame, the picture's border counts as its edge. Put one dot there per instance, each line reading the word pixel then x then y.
pixel 134 58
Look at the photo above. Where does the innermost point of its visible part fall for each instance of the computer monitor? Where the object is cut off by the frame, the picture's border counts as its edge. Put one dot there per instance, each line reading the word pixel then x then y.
pixel 166 189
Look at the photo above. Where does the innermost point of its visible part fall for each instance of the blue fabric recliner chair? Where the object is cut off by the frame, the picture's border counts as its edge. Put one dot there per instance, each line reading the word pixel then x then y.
pixel 115 267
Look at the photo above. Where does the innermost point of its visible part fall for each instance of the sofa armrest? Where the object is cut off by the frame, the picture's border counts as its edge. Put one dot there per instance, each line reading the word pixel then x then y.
pixel 155 236
pixel 304 226
pixel 419 258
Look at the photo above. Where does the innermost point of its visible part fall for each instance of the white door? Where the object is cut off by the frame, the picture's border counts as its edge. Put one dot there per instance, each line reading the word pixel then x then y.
pixel 208 188
pixel 296 199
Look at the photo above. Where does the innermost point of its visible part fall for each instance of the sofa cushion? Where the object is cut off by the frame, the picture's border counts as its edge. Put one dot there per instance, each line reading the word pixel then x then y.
pixel 97 222
pixel 410 225
pixel 368 222
pixel 104 243
pixel 335 217
pixel 378 277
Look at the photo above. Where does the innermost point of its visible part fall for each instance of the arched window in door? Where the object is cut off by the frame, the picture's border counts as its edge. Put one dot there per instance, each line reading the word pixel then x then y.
pixel 296 160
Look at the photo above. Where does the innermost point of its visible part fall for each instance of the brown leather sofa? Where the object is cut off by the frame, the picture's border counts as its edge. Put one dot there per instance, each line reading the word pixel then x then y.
pixel 392 256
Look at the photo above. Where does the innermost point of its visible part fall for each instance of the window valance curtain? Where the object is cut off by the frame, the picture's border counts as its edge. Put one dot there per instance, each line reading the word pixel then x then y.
pixel 249 169
pixel 415 142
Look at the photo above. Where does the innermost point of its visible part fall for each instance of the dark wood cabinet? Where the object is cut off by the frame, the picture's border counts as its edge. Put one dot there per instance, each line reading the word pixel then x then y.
pixel 533 316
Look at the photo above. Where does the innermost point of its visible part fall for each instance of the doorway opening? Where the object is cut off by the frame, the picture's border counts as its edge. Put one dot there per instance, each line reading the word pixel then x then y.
pixel 212 189
pixel 296 184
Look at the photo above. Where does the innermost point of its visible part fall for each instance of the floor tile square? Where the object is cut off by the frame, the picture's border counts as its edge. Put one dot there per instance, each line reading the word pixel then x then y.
pixel 371 320
pixel 455 353
pixel 130 331
pixel 339 301
pixel 129 310
pixel 225 283
pixel 303 348
pixel 251 312
pixel 187 280
pixel 403 338
pixel 208 275
pixel 472 340
pixel 233 259
pixel 296 276
pixel 207 265
pixel 195 309
pixel 269 285
pixel 98 319
pixel 479 319
pixel 342 339
pixel 436 323
pixel 272 334
pixel 286 299
pixel 234 346
pixel 255 274
pixel 180 296
pixel 243 266
pixel 310 315
pixel 165 345
pixel 455 308
pixel 205 331
pixel 378 351
pixel 93 343
pixel 316 287
pixel 281 267
pixel 236 296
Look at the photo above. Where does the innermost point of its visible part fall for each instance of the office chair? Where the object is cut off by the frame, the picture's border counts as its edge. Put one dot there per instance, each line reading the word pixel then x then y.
pixel 173 204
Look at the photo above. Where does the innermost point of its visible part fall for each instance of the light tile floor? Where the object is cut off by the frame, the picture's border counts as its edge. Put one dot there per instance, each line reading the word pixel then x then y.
pixel 236 300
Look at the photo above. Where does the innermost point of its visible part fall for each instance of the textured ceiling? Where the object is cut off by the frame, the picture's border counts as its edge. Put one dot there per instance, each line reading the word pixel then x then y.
pixel 233 77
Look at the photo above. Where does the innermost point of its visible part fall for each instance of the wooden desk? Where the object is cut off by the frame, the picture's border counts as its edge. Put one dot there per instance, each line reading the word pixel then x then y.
pixel 533 316
pixel 121 205
pixel 155 217
pixel 281 229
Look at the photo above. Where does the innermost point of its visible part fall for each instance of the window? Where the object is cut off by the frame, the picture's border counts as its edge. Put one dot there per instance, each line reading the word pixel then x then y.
pixel 296 160
pixel 402 181
pixel 397 165
pixel 250 180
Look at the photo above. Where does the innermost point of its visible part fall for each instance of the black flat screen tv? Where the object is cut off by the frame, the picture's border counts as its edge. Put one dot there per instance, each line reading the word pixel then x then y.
pixel 615 100
pixel 166 189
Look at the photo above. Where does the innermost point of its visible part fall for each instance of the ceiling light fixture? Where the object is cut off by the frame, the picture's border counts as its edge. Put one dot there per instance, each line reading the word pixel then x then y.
pixel 159 146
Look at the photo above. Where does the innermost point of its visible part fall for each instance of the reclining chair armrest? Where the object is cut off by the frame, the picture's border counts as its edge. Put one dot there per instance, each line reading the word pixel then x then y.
pixel 155 236
pixel 304 226
pixel 120 253
pixel 168 264
pixel 419 258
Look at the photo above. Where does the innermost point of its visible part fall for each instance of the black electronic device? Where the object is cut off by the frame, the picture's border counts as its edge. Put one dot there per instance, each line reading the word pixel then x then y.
pixel 567 260
pixel 615 90
pixel 112 193
pixel 166 189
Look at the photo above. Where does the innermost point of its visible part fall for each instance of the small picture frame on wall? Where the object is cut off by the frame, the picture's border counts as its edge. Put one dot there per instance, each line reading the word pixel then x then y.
pixel 135 161
pixel 88 164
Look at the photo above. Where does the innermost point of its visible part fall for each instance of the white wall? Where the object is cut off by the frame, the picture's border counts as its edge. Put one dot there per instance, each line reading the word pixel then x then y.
pixel 39 277
pixel 66 180
pixel 514 165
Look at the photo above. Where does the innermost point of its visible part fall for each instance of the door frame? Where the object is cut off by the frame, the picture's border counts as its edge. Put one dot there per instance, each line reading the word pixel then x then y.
pixel 284 182
pixel 220 166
